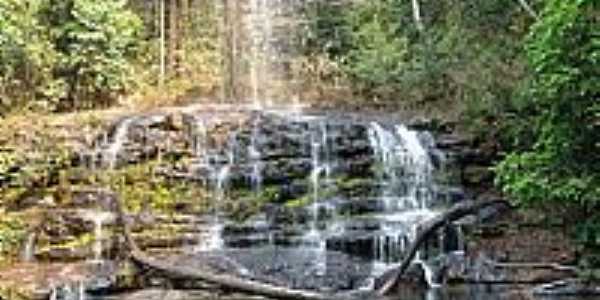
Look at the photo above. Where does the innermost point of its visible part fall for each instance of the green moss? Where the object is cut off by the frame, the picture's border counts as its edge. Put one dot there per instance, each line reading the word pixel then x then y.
pixel 139 187
pixel 348 183
pixel 82 240
pixel 12 233
pixel 299 202
pixel 12 293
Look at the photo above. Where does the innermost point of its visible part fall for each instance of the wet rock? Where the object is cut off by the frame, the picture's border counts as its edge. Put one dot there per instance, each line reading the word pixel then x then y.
pixel 429 124
pixel 355 243
pixel 477 175
pixel 278 214
pixel 361 206
pixel 451 142
pixel 97 199
pixel 571 287
pixel 174 122
pixel 160 294
pixel 64 254
pixel 167 242
pixel 304 268
pixel 451 194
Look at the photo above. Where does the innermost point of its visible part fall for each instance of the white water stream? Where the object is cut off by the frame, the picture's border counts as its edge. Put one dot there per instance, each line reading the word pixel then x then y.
pixel 115 145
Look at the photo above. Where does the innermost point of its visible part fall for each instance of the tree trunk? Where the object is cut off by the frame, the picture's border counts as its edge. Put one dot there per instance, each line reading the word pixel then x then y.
pixel 162 29
pixel 173 36
pixel 184 23
pixel 528 9
pixel 417 15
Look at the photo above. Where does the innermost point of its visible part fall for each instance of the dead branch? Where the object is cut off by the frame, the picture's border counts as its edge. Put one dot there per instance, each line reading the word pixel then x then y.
pixel 390 279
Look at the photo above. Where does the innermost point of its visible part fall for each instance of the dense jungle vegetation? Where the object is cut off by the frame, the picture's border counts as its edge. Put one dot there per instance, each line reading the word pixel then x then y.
pixel 524 75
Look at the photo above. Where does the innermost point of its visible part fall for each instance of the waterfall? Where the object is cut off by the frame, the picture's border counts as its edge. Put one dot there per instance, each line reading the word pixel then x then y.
pixel 419 163
pixel 326 151
pixel 405 177
pixel 211 238
pixel 257 40
pixel 318 144
pixel 99 218
pixel 119 138
pixel 316 169
pixel 27 255
pixel 430 273
pixel 404 163
pixel 259 28
pixel 98 240
pixel 255 158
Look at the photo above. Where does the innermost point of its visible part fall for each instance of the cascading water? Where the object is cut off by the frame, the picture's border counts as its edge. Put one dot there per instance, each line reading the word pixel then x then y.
pixel 405 174
pixel 256 51
pixel 114 147
pixel 27 255
pixel 419 165
pixel 212 237
pixel 255 158
pixel 314 236
pixel 99 218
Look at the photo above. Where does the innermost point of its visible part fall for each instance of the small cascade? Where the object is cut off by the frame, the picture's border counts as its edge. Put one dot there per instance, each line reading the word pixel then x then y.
pixel 211 238
pixel 255 158
pixel 100 219
pixel 27 254
pixel 319 167
pixel 314 182
pixel 98 240
pixel 418 160
pixel 405 176
pixel 200 140
pixel 430 273
pixel 326 151
pixel 114 146
pixel 68 291
pixel 385 144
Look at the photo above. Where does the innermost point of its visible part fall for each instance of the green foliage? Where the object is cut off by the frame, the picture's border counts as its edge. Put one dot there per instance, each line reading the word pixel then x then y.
pixel 26 54
pixel 12 231
pixel 95 41
pixel 467 57
pixel 68 54
pixel 563 163
pixel 379 57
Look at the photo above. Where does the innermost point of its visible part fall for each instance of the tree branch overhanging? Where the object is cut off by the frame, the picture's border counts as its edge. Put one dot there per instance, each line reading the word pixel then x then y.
pixel 528 9
pixel 386 282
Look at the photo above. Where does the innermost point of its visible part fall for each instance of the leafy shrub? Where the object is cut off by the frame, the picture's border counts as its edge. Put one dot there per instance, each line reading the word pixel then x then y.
pixel 12 231
pixel 65 54
pixel 563 164
pixel 467 56
pixel 95 41
pixel 27 55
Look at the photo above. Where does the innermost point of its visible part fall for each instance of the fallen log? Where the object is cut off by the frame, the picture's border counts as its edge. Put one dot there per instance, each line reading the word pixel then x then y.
pixel 224 281
pixel 386 282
